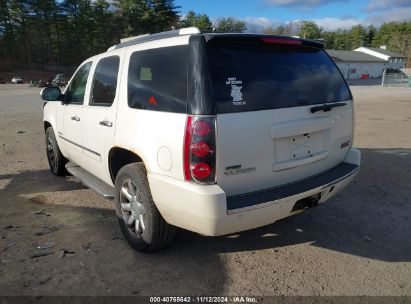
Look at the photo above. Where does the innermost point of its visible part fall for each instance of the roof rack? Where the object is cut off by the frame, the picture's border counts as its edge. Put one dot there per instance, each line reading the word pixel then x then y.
pixel 151 37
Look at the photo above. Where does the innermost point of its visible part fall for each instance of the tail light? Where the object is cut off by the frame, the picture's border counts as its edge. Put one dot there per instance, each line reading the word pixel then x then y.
pixel 200 149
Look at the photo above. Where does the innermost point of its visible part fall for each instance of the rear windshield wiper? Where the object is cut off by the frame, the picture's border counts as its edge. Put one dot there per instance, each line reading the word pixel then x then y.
pixel 327 107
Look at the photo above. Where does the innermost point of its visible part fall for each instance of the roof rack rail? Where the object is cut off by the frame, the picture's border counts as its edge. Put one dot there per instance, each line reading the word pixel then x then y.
pixel 151 37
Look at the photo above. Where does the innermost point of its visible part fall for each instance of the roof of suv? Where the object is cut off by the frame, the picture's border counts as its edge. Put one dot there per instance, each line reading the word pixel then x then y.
pixel 209 36
pixel 157 36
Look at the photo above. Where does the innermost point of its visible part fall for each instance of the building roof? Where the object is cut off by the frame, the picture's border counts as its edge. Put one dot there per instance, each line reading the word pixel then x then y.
pixel 384 52
pixel 351 56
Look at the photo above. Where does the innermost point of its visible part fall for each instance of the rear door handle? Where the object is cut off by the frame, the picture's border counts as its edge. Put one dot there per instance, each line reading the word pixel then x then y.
pixel 106 123
pixel 75 118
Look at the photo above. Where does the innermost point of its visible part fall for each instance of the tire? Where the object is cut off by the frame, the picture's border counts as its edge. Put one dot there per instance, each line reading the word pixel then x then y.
pixel 147 231
pixel 56 160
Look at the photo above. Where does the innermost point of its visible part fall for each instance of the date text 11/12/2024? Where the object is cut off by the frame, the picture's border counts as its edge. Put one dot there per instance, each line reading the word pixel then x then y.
pixel 203 299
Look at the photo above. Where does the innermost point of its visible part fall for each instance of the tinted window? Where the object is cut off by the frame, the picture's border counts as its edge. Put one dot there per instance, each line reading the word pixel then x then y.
pixel 253 76
pixel 157 79
pixel 77 88
pixel 105 81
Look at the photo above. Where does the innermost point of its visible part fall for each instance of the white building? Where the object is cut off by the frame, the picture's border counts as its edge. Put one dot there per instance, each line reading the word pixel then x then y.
pixel 357 64
pixel 394 60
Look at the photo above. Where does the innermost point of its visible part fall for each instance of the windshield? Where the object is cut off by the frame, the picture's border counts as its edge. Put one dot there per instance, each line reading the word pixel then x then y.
pixel 251 76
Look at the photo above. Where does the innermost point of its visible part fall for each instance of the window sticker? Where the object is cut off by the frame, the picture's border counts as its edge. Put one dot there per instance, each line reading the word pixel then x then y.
pixel 236 94
pixel 145 74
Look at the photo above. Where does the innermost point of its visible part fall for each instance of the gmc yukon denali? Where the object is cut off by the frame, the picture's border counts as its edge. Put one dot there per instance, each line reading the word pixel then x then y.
pixel 213 133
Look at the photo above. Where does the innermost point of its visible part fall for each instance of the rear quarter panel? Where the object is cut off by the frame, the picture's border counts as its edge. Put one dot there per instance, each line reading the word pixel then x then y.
pixel 156 137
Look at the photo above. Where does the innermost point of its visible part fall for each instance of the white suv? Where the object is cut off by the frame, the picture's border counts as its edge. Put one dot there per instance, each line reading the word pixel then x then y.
pixel 213 133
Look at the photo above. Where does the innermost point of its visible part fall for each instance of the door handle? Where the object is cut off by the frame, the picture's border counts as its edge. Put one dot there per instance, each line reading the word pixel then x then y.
pixel 106 123
pixel 75 118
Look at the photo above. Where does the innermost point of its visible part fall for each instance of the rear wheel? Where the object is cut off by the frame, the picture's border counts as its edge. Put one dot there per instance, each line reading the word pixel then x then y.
pixel 140 221
pixel 56 160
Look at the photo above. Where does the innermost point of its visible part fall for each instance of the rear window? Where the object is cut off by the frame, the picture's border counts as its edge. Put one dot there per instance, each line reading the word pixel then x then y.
pixel 157 79
pixel 256 76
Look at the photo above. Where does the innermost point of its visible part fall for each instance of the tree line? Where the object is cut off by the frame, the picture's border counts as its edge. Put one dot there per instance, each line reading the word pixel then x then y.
pixel 395 35
pixel 35 33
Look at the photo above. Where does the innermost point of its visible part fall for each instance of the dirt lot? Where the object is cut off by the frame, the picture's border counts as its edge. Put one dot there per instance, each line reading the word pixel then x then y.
pixel 357 244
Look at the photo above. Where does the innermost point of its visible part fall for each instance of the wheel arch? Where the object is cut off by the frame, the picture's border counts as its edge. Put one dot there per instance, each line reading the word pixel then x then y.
pixel 47 125
pixel 120 157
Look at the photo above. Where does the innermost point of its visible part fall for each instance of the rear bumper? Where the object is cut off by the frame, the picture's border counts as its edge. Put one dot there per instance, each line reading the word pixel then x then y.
pixel 207 210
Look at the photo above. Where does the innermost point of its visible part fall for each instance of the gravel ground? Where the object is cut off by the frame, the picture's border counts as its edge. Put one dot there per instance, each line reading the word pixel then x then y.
pixel 357 244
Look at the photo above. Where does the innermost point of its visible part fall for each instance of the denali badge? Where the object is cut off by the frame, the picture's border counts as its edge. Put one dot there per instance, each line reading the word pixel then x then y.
pixel 235 170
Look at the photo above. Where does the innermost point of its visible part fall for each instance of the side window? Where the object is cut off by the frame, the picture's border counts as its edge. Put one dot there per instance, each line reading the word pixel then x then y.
pixel 157 79
pixel 105 82
pixel 76 90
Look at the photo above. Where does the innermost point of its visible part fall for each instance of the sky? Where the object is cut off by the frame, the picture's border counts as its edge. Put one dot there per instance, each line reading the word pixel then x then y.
pixel 329 14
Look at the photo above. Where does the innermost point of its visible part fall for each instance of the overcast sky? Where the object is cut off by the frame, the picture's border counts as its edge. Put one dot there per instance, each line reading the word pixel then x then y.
pixel 329 14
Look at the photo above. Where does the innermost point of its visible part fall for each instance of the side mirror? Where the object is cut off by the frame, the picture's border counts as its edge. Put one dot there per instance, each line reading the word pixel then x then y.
pixel 51 94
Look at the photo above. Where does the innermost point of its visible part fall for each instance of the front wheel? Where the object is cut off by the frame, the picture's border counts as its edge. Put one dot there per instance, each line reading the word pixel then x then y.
pixel 140 221
pixel 56 160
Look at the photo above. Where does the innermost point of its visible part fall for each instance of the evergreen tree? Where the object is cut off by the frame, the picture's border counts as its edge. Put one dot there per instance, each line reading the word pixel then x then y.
pixel 370 36
pixel 7 32
pixel 358 36
pixel 148 16
pixel 230 25
pixel 163 15
pixel 309 30
pixel 329 40
pixel 18 13
pixel 200 21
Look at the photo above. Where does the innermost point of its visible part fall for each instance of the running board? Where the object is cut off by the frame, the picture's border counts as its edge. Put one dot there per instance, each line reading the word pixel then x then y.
pixel 90 180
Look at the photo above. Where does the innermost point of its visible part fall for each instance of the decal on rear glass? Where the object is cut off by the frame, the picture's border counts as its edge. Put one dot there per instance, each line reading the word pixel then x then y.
pixel 236 94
